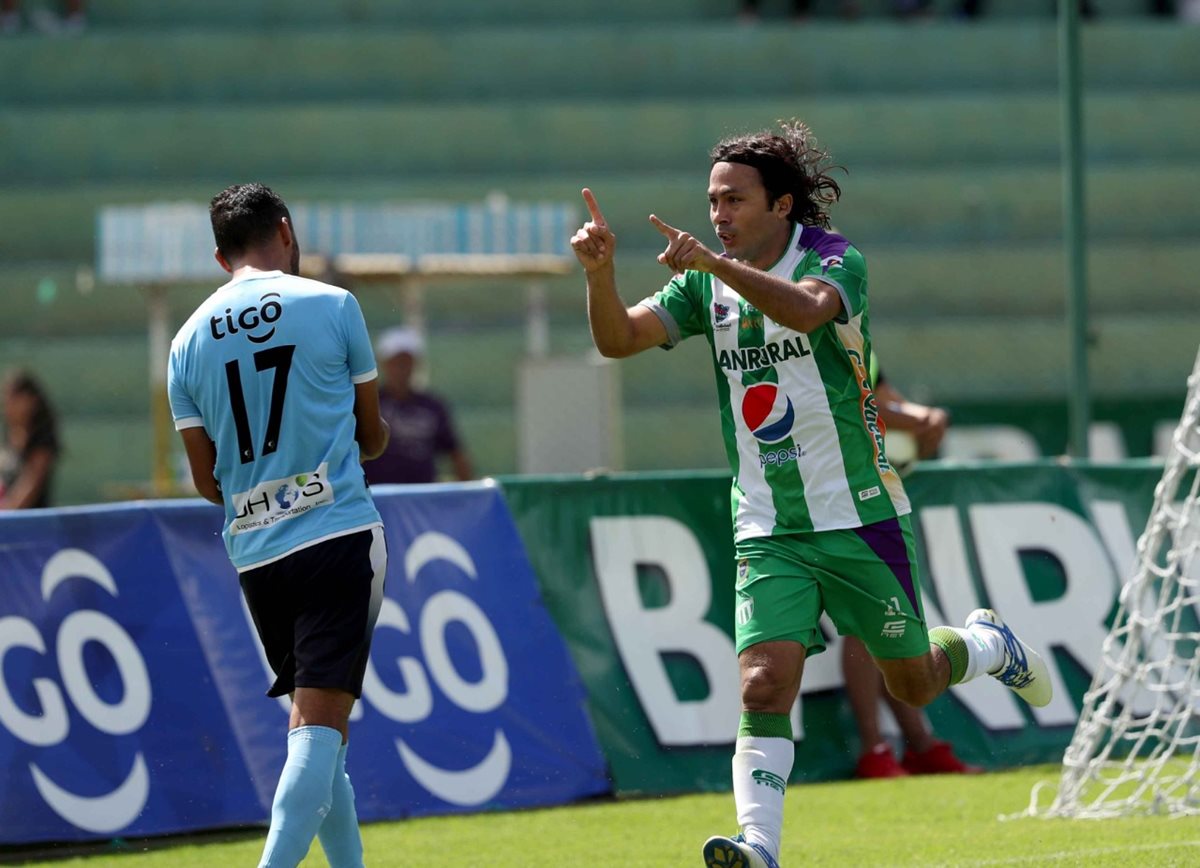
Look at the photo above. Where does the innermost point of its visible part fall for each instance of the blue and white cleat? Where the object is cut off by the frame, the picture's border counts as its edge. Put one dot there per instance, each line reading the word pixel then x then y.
pixel 1023 670
pixel 736 852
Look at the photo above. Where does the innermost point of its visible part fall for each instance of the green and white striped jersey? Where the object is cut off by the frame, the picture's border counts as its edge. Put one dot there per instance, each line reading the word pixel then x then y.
pixel 801 427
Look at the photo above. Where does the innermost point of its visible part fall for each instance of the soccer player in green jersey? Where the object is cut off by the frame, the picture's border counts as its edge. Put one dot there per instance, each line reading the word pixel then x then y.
pixel 821 521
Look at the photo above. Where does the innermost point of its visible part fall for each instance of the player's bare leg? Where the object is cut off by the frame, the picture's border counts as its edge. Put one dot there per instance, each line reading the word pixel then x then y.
pixel 762 760
pixel 917 681
pixel 985 646
pixel 924 753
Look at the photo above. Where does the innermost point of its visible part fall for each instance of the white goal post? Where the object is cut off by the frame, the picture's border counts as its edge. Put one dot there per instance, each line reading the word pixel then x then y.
pixel 1136 748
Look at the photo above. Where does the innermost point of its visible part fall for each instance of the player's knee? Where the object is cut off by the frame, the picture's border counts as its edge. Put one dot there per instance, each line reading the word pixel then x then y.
pixel 913 692
pixel 765 689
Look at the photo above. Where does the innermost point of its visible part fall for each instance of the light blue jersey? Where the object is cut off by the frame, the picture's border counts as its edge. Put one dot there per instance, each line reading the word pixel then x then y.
pixel 267 365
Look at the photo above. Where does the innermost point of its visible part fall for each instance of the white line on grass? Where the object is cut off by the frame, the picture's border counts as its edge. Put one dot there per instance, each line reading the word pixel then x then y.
pixel 1073 854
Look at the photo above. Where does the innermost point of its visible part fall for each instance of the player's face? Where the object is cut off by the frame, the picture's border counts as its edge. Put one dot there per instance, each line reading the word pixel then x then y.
pixel 749 228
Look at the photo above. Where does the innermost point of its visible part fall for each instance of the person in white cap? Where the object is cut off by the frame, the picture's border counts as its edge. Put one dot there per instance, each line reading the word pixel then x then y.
pixel 421 423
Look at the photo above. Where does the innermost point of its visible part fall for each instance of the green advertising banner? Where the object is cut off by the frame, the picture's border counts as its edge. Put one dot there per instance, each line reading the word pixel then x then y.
pixel 637 571
pixel 1026 429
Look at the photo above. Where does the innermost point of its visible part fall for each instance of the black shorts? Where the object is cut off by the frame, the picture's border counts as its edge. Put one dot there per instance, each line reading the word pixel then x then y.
pixel 315 610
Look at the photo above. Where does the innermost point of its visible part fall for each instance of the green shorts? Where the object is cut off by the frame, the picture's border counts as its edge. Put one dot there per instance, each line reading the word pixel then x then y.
pixel 865 578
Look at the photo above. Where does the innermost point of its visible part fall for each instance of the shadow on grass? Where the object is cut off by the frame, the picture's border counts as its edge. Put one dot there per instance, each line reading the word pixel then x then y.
pixel 46 852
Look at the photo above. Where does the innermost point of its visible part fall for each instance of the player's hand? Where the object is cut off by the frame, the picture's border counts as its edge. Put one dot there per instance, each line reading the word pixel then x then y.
pixel 683 250
pixel 930 431
pixel 594 244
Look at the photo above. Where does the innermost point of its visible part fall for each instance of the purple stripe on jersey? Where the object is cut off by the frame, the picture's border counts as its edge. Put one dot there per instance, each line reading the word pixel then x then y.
pixel 886 539
pixel 825 243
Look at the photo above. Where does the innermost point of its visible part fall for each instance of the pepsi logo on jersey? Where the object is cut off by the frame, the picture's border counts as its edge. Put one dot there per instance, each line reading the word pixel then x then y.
pixel 768 412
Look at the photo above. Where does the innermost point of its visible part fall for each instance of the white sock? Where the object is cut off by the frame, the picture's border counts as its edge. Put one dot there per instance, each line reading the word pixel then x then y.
pixel 985 651
pixel 761 766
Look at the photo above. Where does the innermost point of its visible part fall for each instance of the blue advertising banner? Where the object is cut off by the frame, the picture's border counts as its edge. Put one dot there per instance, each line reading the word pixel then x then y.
pixel 132 686
pixel 110 721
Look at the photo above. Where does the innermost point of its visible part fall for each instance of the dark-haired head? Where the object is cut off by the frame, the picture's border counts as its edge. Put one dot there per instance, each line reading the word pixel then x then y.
pixel 790 163
pixel 249 216
pixel 26 405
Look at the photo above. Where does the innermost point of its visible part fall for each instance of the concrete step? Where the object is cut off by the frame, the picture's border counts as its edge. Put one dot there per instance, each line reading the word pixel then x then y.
pixel 100 385
pixel 283 14
pixel 213 64
pixel 371 141
pixel 906 282
pixel 932 207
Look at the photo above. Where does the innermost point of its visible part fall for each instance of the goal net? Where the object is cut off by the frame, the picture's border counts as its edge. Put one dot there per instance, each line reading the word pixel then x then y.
pixel 1136 748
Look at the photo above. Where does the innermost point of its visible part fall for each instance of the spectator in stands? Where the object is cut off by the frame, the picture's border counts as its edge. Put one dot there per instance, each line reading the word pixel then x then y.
pixel 30 448
pixel 975 8
pixel 849 8
pixel 926 425
pixel 422 427
pixel 748 10
pixel 924 754
pixel 73 21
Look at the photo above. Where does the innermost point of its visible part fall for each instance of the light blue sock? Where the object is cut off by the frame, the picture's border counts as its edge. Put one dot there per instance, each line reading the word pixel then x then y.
pixel 303 796
pixel 339 833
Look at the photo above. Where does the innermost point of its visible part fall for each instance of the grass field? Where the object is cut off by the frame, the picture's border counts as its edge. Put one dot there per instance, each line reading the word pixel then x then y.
pixel 949 820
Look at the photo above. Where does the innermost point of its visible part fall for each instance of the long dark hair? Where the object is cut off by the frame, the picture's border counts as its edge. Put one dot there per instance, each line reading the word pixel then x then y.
pixel 44 423
pixel 789 161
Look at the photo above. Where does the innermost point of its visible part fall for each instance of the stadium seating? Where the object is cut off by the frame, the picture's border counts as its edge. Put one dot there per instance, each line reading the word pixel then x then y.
pixel 950 131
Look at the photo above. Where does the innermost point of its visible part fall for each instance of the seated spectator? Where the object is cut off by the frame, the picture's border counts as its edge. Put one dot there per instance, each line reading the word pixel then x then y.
pixel 926 425
pixel 73 20
pixel 975 8
pixel 422 428
pixel 30 448
pixel 748 9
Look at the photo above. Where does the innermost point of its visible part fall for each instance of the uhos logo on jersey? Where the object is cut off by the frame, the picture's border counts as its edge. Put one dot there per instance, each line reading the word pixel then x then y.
pixel 768 412
pixel 278 500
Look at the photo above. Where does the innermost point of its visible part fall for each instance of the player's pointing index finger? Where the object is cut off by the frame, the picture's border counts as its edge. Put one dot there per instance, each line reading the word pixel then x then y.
pixel 665 228
pixel 593 207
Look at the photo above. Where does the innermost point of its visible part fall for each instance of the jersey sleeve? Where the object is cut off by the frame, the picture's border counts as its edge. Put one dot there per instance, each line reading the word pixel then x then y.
pixel 183 408
pixel 677 305
pixel 359 353
pixel 847 273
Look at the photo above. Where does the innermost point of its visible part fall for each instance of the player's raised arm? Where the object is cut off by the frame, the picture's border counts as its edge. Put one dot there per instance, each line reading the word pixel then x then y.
pixel 594 244
pixel 617 330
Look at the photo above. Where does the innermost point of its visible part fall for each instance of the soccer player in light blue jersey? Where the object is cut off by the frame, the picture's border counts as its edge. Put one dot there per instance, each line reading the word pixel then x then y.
pixel 821 520
pixel 273 388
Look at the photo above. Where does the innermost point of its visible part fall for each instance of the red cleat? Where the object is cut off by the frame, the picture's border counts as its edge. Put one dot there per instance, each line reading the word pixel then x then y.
pixel 939 759
pixel 879 762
